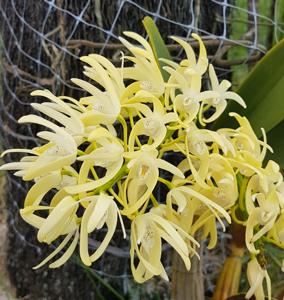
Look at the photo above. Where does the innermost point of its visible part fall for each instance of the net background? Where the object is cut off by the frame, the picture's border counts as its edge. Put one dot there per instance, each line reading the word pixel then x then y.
pixel 42 41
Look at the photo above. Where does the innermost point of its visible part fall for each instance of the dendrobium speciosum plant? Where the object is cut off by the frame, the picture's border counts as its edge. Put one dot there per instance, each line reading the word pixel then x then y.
pixel 105 154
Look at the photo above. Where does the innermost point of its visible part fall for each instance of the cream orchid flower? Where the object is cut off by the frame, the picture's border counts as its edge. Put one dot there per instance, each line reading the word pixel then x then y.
pixel 143 176
pixel 183 194
pixel 256 274
pixel 101 210
pixel 263 211
pixel 186 77
pixel 190 64
pixel 277 231
pixel 108 154
pixel 60 151
pixel 186 103
pixel 103 107
pixel 69 251
pixel 62 216
pixel 144 64
pixel 67 114
pixel 222 180
pixel 153 125
pixel 198 153
pixel 250 151
pixel 147 231
pixel 61 220
pixel 219 102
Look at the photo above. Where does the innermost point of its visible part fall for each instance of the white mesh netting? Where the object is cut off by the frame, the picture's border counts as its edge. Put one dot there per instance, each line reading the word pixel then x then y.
pixel 42 41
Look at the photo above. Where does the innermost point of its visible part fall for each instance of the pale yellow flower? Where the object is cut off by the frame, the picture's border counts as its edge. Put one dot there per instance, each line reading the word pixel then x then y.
pixel 143 176
pixel 222 182
pixel 263 203
pixel 68 112
pixel 263 210
pixel 147 231
pixel 250 151
pixel 190 64
pixel 60 151
pixel 108 154
pixel 103 107
pixel 153 125
pixel 67 254
pixel 277 232
pixel 61 220
pixel 145 71
pixel 219 102
pixel 101 210
pixel 186 77
pixel 256 274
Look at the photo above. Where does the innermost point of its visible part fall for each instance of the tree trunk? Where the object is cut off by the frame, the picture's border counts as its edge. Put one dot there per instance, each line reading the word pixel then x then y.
pixel 187 285
pixel 229 278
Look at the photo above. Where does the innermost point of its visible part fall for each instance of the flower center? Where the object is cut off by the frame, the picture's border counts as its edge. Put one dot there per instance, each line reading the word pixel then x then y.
pixel 102 220
pixel 219 193
pixel 98 107
pixel 144 171
pixel 265 216
pixel 56 150
pixel 199 148
pixel 146 85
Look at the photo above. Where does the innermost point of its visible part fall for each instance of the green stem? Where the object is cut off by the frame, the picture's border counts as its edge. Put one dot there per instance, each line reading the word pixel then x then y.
pixel 167 183
pixel 124 125
pixel 121 173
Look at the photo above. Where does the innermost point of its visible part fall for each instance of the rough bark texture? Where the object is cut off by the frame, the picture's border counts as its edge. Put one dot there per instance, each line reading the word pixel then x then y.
pixel 229 278
pixel 187 285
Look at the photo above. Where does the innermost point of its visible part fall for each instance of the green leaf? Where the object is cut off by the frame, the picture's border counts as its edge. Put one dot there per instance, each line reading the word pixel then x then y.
pixel 263 91
pixel 275 139
pixel 157 43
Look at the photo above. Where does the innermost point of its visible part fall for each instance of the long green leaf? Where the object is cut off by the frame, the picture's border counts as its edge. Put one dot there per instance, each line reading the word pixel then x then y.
pixel 276 140
pixel 157 43
pixel 263 91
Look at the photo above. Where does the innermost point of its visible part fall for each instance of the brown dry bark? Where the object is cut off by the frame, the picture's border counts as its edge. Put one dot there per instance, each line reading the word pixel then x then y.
pixel 187 285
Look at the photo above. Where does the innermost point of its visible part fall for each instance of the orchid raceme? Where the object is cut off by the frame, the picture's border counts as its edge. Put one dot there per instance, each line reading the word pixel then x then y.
pixel 103 157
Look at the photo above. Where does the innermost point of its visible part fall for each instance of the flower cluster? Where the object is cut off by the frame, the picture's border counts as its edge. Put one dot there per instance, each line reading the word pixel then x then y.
pixel 103 156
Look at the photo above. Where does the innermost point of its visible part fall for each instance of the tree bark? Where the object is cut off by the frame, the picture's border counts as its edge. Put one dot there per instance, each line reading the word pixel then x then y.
pixel 187 285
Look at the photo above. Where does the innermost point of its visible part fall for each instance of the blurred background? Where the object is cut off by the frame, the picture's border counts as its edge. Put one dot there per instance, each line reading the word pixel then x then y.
pixel 41 42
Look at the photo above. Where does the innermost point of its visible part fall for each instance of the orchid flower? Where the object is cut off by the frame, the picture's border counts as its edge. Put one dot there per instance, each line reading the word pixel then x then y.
pixel 250 151
pixel 198 153
pixel 263 211
pixel 66 113
pixel 277 231
pixel 186 77
pixel 256 274
pixel 108 155
pixel 60 221
pixel 67 254
pixel 183 194
pixel 104 156
pixel 143 176
pixel 219 102
pixel 147 230
pixel 144 64
pixel 186 103
pixel 103 107
pixel 190 64
pixel 60 151
pixel 153 125
pixel 101 210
